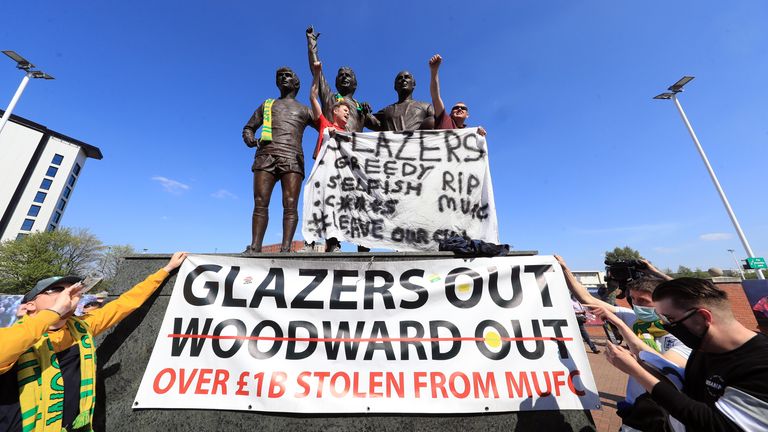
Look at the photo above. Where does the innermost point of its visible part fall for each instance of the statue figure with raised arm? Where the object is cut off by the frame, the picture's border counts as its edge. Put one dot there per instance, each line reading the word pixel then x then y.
pixel 346 84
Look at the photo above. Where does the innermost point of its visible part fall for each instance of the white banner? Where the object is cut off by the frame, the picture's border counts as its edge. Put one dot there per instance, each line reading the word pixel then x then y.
pixel 401 190
pixel 421 336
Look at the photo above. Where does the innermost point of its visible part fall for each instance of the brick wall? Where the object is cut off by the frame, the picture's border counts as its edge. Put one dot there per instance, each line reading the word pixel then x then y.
pixel 740 305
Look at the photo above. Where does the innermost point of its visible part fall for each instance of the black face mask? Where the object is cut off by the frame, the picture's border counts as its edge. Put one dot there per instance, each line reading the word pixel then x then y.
pixel 687 337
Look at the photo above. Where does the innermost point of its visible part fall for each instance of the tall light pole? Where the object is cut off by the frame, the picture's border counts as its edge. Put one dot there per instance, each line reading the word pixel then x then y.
pixel 738 266
pixel 26 66
pixel 674 89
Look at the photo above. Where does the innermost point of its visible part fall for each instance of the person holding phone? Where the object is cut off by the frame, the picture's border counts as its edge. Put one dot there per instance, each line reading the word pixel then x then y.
pixel 47 358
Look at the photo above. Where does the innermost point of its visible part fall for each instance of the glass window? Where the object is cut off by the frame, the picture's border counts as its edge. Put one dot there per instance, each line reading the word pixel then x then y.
pixel 71 181
pixel 56 217
pixel 62 204
pixel 27 225
pixel 57 158
pixel 77 169
pixel 40 197
pixel 67 191
pixel 46 184
pixel 51 227
pixel 20 236
pixel 34 210
pixel 52 170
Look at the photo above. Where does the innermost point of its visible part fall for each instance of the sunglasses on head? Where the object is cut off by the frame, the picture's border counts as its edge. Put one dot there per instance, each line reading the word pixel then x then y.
pixel 669 323
pixel 53 290
pixel 460 108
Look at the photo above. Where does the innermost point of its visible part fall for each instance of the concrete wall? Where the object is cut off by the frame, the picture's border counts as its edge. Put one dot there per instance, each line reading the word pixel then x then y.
pixel 124 352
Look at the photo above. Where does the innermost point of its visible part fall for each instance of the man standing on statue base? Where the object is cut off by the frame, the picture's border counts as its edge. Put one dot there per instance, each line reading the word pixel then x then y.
pixel 280 157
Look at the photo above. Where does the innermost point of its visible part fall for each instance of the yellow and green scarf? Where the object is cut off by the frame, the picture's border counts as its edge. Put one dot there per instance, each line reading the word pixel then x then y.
pixel 338 97
pixel 266 127
pixel 653 328
pixel 41 385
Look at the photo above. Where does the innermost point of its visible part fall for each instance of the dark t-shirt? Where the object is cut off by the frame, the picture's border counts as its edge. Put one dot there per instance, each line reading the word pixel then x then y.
pixel 709 375
pixel 445 121
pixel 289 119
pixel 10 410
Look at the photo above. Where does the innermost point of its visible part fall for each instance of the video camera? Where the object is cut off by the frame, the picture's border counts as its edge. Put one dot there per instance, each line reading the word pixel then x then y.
pixel 621 272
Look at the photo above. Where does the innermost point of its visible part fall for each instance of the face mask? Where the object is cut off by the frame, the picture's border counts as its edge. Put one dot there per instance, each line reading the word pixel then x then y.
pixel 645 313
pixel 687 337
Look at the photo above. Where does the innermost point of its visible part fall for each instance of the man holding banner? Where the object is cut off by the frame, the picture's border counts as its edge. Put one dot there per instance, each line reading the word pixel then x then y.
pixel 47 360
pixel 459 113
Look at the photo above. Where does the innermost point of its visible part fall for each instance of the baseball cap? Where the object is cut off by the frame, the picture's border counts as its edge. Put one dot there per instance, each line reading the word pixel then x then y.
pixel 44 284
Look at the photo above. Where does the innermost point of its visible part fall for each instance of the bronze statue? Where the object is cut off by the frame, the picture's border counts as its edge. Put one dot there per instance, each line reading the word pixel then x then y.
pixel 280 156
pixel 406 113
pixel 346 84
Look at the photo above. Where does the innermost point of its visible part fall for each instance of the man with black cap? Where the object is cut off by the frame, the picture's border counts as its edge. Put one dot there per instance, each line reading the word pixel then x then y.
pixel 47 358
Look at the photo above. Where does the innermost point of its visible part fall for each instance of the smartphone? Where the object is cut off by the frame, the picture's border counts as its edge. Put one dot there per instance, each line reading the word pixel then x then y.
pixel 89 282
pixel 613 334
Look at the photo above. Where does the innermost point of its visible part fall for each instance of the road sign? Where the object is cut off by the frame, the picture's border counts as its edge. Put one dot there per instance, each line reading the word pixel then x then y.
pixel 757 263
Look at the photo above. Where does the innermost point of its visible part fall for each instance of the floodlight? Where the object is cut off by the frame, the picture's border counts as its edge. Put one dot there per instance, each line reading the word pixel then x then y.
pixel 22 63
pixel 41 74
pixel 678 86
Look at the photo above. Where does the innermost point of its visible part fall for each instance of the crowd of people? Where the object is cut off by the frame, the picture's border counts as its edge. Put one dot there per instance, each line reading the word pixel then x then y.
pixel 691 365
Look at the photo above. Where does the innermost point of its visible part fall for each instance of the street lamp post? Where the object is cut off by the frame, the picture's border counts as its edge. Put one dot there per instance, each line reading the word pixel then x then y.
pixel 674 89
pixel 738 266
pixel 26 66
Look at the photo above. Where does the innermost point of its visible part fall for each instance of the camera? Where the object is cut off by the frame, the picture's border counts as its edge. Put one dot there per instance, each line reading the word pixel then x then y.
pixel 621 272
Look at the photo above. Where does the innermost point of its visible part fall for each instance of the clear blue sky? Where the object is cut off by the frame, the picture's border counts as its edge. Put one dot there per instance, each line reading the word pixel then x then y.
pixel 582 158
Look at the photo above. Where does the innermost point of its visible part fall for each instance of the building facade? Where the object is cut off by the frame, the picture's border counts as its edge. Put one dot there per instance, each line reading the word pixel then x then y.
pixel 39 169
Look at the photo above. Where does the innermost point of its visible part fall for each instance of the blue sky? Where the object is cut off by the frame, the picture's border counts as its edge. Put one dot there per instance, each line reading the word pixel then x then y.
pixel 582 158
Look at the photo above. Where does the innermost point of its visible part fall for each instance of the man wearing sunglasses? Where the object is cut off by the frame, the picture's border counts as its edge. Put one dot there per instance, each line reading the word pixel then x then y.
pixel 642 331
pixel 457 118
pixel 725 386
pixel 47 358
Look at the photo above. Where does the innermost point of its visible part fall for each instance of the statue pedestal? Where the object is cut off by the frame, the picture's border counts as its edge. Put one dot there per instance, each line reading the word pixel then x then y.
pixel 124 351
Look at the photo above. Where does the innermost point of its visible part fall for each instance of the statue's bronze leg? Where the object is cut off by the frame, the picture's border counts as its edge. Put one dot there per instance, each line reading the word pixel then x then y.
pixel 263 184
pixel 291 185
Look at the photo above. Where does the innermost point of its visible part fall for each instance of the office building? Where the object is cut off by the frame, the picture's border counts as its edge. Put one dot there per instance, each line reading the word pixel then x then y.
pixel 39 169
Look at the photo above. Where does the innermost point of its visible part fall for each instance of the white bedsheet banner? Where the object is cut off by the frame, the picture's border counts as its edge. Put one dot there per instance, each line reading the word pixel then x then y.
pixel 420 336
pixel 404 191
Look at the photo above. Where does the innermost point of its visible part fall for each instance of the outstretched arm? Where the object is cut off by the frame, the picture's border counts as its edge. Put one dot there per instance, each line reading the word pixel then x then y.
pixel 317 110
pixel 578 290
pixel 116 310
pixel 434 84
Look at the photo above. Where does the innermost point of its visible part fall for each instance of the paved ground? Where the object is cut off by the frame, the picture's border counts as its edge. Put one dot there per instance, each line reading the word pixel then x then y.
pixel 611 385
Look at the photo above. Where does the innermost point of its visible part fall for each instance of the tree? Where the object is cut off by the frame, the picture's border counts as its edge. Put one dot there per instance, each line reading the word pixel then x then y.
pixel 625 253
pixel 109 263
pixel 683 271
pixel 37 256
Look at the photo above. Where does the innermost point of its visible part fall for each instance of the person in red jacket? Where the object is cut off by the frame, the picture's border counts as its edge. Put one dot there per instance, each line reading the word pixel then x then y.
pixel 340 110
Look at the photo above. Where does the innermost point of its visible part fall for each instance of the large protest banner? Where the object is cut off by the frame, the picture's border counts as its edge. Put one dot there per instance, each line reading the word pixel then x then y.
pixel 401 190
pixel 320 336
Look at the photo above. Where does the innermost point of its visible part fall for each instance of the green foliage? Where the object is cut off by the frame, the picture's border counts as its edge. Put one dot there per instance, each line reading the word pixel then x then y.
pixel 683 271
pixel 625 253
pixel 25 261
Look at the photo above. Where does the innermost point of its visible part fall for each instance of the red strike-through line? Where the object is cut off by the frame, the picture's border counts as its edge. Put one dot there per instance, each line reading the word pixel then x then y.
pixel 307 339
